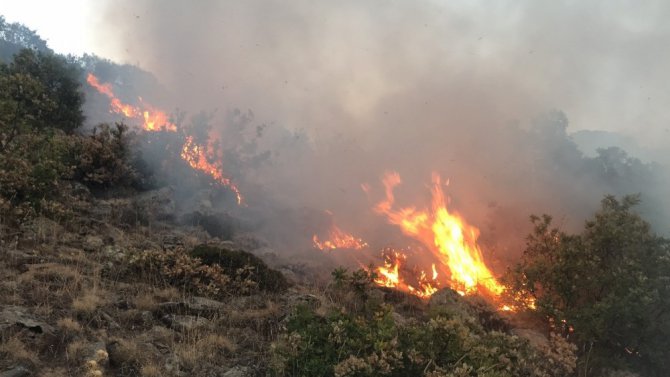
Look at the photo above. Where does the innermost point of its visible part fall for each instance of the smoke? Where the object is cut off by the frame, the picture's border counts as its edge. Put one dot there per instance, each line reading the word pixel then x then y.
pixel 350 89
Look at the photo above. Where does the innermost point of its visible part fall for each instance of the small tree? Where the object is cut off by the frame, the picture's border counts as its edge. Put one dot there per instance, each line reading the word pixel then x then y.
pixel 38 90
pixel 607 289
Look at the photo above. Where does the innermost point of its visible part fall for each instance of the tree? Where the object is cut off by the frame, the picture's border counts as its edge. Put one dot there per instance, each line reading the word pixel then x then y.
pixel 14 37
pixel 607 289
pixel 38 90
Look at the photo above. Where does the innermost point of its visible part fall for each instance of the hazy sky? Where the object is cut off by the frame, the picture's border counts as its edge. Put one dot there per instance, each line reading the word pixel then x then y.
pixel 603 63
pixel 69 26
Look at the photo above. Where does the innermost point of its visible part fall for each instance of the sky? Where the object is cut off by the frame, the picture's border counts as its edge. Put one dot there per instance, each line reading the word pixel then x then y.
pixel 67 25
pixel 603 63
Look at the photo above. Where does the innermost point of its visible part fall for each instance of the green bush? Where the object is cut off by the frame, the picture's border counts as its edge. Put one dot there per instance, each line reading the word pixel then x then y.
pixel 239 262
pixel 32 168
pixel 103 158
pixel 606 288
pixel 207 270
pixel 375 342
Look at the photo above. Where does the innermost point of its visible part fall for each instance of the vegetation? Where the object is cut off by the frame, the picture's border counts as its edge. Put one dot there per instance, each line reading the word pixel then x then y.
pixel 208 270
pixel 376 341
pixel 606 289
pixel 92 293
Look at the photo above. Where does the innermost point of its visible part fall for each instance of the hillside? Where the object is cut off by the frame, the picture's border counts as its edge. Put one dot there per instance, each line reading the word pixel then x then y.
pixel 155 246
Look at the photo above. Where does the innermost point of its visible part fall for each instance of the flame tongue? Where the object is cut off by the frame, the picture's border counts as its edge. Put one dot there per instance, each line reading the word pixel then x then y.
pixel 153 119
pixel 452 240
pixel 338 239
pixel 392 275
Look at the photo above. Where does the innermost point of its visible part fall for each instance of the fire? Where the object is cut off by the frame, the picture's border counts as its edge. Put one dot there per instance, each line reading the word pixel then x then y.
pixel 153 119
pixel 391 275
pixel 339 240
pixel 196 157
pixel 452 241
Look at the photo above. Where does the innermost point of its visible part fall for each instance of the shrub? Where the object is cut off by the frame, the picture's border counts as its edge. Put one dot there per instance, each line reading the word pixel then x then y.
pixel 606 288
pixel 32 168
pixel 238 262
pixel 208 270
pixel 103 158
pixel 373 342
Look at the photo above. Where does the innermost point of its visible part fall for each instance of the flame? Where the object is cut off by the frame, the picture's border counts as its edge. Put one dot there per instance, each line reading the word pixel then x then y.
pixel 154 119
pixel 339 240
pixel 452 241
pixel 391 275
pixel 196 156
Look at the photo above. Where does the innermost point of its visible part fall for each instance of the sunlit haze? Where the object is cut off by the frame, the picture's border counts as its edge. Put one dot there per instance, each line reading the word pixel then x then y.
pixel 68 25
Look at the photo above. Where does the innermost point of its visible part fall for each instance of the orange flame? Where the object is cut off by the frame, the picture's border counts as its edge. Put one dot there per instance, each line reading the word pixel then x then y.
pixel 452 240
pixel 389 275
pixel 339 240
pixel 196 157
pixel 153 119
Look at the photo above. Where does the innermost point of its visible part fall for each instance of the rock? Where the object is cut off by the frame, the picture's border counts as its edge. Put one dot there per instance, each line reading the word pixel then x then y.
pixel 80 190
pixel 114 253
pixel 42 229
pixel 158 203
pixel 308 300
pixel 444 297
pixel 238 371
pixel 18 316
pixel 18 371
pixel 183 323
pixel 96 351
pixel 199 306
pixel 102 209
pixel 93 243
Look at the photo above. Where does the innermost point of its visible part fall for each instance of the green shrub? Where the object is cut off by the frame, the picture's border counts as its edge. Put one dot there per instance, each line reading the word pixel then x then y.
pixel 238 262
pixel 31 169
pixel 103 158
pixel 207 270
pixel 606 287
pixel 375 342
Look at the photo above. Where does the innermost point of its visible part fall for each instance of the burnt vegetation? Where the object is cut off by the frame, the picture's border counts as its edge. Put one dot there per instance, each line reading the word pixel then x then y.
pixel 102 274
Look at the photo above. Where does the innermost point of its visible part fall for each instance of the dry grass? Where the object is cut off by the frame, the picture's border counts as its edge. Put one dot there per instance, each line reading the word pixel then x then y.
pixel 69 325
pixel 198 348
pixel 145 301
pixel 151 370
pixel 90 301
pixel 76 351
pixel 69 329
pixel 270 309
pixel 15 350
pixel 128 354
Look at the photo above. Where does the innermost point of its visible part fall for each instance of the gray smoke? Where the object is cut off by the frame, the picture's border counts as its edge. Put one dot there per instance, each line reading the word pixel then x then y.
pixel 353 88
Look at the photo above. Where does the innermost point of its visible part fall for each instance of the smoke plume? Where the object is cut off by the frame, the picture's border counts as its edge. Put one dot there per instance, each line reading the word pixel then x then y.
pixel 486 94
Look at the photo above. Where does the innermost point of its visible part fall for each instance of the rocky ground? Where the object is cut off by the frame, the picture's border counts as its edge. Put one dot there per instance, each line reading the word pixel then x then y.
pixel 70 305
pixel 82 296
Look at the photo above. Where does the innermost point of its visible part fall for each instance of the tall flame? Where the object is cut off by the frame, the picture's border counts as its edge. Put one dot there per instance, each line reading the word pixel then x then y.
pixel 452 240
pixel 153 119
